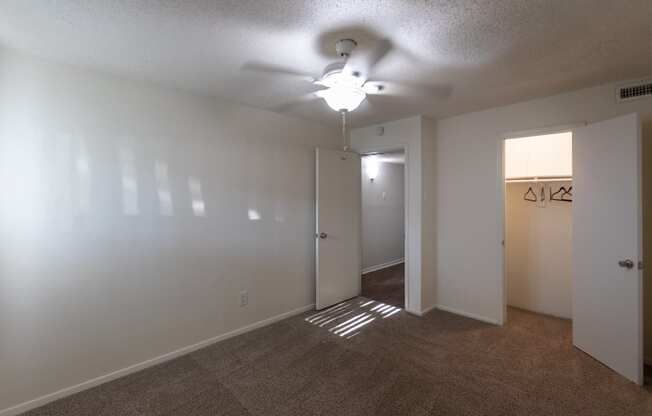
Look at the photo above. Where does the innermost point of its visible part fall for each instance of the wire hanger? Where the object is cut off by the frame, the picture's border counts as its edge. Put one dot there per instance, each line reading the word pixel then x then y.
pixel 527 196
pixel 567 195
pixel 554 197
pixel 563 197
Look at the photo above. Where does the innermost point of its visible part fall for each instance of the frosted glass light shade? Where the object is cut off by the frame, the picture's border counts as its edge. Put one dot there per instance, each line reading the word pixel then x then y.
pixel 372 166
pixel 343 97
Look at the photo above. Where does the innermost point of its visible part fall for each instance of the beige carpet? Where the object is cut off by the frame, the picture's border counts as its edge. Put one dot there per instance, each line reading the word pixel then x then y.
pixel 366 358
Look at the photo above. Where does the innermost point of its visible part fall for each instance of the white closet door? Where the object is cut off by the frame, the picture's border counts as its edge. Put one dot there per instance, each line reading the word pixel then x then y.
pixel 607 295
pixel 338 233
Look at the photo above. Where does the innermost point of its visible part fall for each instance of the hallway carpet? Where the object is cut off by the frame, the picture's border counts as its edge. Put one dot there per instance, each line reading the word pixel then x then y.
pixel 367 358
pixel 386 285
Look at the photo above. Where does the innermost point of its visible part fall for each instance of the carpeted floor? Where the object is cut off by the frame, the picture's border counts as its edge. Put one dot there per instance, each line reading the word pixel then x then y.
pixel 366 358
pixel 386 285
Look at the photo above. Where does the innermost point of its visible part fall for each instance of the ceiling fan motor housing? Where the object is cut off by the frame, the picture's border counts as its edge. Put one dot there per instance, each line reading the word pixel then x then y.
pixel 344 47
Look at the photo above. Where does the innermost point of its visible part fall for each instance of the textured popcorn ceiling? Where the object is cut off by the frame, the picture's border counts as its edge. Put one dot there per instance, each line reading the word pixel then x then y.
pixel 490 52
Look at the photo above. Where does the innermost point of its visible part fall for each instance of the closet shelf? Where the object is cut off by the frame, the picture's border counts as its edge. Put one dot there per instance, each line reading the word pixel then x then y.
pixel 540 179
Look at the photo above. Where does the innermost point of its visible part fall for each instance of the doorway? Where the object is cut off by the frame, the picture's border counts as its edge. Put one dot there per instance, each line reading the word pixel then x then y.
pixel 383 227
pixel 646 176
pixel 538 224
pixel 605 200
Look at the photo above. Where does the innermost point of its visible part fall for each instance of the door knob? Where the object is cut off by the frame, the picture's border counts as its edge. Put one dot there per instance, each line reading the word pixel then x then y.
pixel 627 264
pixel 323 235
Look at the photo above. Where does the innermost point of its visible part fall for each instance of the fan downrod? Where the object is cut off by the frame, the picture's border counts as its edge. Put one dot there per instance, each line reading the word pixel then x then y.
pixel 344 47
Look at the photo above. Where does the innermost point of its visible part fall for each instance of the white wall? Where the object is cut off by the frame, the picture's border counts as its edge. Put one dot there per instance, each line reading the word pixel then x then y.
pixel 383 215
pixel 545 156
pixel 429 209
pixel 538 251
pixel 467 255
pixel 131 216
pixel 403 134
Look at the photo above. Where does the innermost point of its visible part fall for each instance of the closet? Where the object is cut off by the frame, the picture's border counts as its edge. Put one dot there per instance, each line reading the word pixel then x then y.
pixel 538 223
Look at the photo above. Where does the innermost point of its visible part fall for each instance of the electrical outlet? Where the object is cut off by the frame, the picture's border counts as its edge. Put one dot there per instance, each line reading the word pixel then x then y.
pixel 244 298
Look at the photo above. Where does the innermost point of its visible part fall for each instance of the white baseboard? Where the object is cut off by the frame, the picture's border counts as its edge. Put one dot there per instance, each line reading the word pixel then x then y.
pixel 428 309
pixel 382 266
pixel 421 312
pixel 466 314
pixel 541 312
pixel 40 401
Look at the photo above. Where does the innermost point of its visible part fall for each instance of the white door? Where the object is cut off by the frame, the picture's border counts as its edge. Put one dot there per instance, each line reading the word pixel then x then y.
pixel 338 244
pixel 607 297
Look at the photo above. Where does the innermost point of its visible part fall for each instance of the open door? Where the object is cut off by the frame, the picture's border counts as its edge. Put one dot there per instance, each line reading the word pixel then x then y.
pixel 338 239
pixel 607 283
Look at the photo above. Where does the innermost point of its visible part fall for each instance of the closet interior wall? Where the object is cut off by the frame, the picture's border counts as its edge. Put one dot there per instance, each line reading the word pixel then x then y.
pixel 538 249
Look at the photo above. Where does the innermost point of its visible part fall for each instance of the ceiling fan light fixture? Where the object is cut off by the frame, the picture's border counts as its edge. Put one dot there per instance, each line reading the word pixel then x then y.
pixel 344 92
pixel 342 98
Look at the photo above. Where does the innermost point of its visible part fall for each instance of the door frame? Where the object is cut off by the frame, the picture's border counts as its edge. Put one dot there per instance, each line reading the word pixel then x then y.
pixel 502 283
pixel 406 200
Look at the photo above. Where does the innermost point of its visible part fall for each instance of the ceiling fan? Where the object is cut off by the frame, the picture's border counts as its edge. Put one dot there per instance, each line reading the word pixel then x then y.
pixel 345 84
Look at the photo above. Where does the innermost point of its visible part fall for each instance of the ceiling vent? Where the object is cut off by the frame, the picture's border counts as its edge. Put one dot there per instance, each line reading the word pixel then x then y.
pixel 634 91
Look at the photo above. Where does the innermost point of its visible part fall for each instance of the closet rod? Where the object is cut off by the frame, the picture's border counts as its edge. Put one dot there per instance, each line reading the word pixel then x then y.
pixel 541 179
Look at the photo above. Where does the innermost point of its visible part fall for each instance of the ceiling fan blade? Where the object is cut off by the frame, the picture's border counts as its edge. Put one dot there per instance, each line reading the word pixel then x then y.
pixel 362 64
pixel 271 69
pixel 407 89
pixel 366 106
pixel 291 105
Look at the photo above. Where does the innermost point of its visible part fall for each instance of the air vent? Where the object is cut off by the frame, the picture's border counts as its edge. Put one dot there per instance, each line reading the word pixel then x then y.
pixel 634 91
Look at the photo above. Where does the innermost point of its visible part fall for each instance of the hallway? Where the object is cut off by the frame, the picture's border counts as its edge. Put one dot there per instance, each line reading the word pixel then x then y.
pixel 386 285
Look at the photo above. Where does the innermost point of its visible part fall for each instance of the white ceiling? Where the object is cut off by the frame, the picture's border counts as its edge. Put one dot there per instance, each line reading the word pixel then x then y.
pixel 487 52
